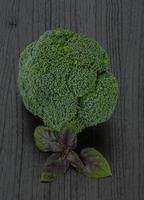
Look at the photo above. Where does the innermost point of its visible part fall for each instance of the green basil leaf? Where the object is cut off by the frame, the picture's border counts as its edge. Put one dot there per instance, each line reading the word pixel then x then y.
pixel 54 167
pixel 45 140
pixel 75 161
pixel 68 139
pixel 96 166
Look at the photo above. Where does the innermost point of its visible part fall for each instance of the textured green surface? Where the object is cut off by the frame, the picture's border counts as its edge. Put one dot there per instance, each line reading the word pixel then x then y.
pixel 64 79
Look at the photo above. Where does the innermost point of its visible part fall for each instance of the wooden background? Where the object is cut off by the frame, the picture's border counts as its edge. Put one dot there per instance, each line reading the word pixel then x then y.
pixel 119 26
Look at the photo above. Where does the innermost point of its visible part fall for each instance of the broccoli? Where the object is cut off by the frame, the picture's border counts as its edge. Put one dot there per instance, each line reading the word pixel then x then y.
pixel 64 79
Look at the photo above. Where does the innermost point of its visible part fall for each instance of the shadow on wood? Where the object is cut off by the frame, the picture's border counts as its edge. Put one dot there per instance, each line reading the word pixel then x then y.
pixel 98 137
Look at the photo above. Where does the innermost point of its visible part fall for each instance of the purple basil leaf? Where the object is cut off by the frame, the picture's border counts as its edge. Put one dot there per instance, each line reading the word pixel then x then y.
pixel 45 140
pixel 75 161
pixel 54 167
pixel 68 139
pixel 96 166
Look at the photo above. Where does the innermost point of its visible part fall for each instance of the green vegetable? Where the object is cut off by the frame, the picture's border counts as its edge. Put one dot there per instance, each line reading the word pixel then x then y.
pixel 64 79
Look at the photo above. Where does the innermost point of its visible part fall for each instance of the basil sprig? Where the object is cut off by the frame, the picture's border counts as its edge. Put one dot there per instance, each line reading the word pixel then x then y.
pixel 89 161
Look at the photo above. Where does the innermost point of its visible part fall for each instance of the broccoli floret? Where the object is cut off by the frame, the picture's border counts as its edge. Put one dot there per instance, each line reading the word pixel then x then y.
pixel 64 79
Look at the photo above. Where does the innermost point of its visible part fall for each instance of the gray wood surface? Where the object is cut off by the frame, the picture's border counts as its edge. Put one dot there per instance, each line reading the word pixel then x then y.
pixel 119 26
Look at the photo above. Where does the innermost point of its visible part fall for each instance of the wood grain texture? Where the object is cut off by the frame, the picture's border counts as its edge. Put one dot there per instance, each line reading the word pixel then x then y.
pixel 119 26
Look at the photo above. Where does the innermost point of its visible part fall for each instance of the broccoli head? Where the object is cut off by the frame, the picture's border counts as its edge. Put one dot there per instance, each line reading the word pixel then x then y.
pixel 64 80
